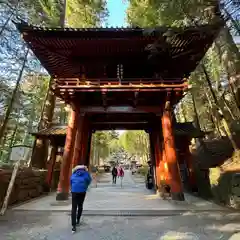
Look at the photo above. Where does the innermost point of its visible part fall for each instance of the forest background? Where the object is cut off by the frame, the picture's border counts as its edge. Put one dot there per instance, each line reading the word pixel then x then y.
pixel 27 105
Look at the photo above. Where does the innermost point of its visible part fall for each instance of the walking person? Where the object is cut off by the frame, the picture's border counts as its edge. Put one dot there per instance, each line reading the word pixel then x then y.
pixel 114 174
pixel 120 174
pixel 80 180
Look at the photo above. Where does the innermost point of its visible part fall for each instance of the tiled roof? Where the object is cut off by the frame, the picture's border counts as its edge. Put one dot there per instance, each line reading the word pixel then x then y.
pixel 63 50
pixel 56 130
pixel 182 129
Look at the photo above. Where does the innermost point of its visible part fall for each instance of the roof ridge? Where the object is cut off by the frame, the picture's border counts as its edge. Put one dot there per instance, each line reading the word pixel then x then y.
pixel 23 25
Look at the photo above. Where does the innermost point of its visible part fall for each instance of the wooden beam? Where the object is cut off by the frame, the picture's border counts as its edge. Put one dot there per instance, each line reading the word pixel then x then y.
pixel 135 86
pixel 121 109
pixel 120 127
pixel 116 123
pixel 73 81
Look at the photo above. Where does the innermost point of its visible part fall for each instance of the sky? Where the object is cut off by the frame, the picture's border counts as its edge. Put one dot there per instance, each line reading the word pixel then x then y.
pixel 117 13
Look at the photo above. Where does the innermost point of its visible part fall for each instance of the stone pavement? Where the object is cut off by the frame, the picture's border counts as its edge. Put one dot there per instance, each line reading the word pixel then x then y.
pixel 130 199
pixel 44 219
pixel 19 225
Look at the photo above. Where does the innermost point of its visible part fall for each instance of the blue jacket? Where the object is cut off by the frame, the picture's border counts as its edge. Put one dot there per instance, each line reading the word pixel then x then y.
pixel 80 180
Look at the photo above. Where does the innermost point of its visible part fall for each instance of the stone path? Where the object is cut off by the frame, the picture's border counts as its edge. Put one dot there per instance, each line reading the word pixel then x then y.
pixel 19 225
pixel 44 219
pixel 130 199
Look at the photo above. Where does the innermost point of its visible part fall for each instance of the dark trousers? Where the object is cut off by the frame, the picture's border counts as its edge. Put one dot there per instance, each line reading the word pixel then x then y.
pixel 77 206
pixel 114 178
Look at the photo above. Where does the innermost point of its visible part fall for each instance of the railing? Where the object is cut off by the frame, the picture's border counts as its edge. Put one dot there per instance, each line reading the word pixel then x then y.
pixel 116 81
pixel 72 84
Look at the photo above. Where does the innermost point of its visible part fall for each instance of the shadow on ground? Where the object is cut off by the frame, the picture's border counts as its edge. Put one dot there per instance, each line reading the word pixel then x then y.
pixel 52 226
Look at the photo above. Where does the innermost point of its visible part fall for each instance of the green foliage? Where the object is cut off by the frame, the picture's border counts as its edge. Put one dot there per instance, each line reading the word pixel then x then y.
pixel 136 143
pixel 104 143
pixel 26 113
pixel 143 170
pixel 85 13
pixel 221 61
pixel 79 13
pixel 171 13
pixel 31 94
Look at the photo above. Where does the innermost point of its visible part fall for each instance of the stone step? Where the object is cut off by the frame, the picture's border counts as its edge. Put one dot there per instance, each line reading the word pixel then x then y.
pixel 128 212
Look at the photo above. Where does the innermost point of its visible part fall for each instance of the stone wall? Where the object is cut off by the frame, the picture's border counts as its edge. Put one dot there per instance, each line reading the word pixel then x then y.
pixel 29 184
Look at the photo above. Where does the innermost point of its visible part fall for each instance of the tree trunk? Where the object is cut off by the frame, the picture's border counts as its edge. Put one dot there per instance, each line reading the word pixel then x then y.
pixel 213 117
pixel 232 87
pixel 195 111
pixel 230 58
pixel 219 107
pixel 200 140
pixel 63 14
pixel 228 108
pixel 183 112
pixel 12 141
pixel 3 143
pixel 11 104
pixel 40 150
pixel 215 125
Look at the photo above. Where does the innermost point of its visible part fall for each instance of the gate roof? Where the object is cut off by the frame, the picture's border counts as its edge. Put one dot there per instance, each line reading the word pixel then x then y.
pixel 162 52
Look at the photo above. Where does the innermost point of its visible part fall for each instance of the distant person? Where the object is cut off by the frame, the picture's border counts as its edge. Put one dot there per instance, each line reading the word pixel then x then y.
pixel 80 180
pixel 114 174
pixel 120 174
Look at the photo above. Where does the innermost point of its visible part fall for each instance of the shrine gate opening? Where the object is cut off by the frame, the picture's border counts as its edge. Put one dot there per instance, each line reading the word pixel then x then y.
pixel 122 78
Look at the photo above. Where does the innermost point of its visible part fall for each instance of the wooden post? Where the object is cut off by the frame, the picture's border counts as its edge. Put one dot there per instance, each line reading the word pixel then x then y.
pixel 158 156
pixel 50 167
pixel 64 181
pixel 85 140
pixel 171 156
pixel 153 159
pixel 10 187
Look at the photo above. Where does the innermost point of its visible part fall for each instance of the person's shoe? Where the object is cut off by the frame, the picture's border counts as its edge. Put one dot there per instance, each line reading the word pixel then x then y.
pixel 78 222
pixel 73 229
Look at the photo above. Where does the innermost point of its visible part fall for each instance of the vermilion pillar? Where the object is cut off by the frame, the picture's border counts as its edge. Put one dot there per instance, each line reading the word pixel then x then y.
pixel 163 168
pixel 158 156
pixel 85 141
pixel 153 159
pixel 78 142
pixel 171 156
pixel 64 181
pixel 152 155
pixel 81 143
